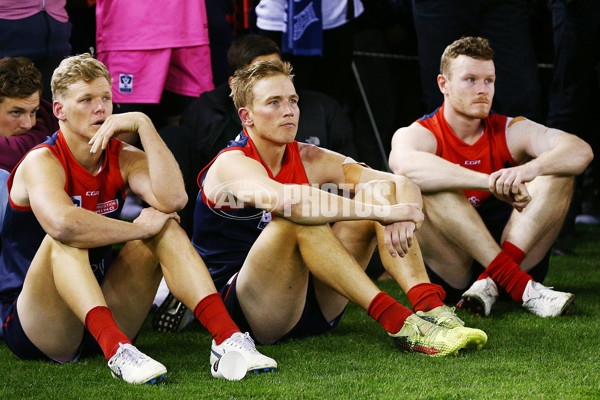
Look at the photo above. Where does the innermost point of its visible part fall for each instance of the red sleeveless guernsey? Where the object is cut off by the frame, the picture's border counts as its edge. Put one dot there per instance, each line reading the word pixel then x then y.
pixel 488 154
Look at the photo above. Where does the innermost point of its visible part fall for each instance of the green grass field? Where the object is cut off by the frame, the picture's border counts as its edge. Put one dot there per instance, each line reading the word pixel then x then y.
pixel 526 357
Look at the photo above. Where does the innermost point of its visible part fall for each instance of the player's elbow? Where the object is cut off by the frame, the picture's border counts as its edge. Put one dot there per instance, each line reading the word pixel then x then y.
pixel 587 156
pixel 61 228
pixel 580 153
pixel 580 157
pixel 395 165
pixel 175 203
pixel 400 163
pixel 180 201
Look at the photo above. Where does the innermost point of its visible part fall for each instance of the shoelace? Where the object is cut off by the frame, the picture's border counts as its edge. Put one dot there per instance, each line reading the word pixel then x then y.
pixel 131 355
pixel 428 331
pixel 243 341
pixel 448 315
pixel 429 338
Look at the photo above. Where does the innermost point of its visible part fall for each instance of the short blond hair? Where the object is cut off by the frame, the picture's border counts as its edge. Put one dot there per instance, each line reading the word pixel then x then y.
pixel 75 68
pixel 244 80
pixel 474 47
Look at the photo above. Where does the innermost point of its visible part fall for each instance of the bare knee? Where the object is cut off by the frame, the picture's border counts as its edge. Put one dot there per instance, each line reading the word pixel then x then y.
pixel 355 231
pixel 172 227
pixel 377 192
pixel 171 232
pixel 404 184
pixel 283 226
pixel 307 231
pixel 359 238
pixel 58 251
pixel 440 205
pixel 544 187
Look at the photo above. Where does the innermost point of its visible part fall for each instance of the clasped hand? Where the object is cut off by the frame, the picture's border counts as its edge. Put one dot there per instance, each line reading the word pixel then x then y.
pixel 509 185
pixel 153 220
pixel 398 235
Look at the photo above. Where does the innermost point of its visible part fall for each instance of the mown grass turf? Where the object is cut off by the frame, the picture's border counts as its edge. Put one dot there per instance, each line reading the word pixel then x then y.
pixel 526 357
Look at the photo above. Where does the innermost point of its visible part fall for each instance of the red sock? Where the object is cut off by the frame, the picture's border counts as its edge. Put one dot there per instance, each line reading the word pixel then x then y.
pixel 426 296
pixel 506 273
pixel 512 251
pixel 388 312
pixel 211 312
pixel 100 323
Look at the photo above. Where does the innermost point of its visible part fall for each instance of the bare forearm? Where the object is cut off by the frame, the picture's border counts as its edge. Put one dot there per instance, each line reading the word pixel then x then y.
pixel 85 229
pixel 165 176
pixel 434 174
pixel 570 156
pixel 310 206
pixel 406 191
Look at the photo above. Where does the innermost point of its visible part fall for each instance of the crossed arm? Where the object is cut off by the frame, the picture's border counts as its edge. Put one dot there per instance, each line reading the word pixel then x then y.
pixel 538 150
pixel 40 180
pixel 308 204
pixel 413 156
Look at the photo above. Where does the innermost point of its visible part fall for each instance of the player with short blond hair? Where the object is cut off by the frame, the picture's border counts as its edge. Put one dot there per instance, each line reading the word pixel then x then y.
pixel 63 292
pixel 262 225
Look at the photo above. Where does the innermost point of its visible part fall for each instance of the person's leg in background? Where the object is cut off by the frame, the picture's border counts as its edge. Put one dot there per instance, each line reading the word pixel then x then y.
pixel 220 34
pixel 438 23
pixel 189 75
pixel 572 97
pixel 41 38
pixel 507 26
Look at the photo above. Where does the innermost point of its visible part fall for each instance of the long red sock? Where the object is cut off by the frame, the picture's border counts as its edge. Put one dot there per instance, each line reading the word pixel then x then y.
pixel 388 312
pixel 211 312
pixel 100 323
pixel 426 296
pixel 512 251
pixel 506 273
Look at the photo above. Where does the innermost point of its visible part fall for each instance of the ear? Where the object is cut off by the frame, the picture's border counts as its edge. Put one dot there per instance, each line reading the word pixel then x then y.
pixel 57 108
pixel 442 81
pixel 245 117
pixel 229 80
